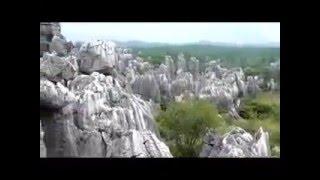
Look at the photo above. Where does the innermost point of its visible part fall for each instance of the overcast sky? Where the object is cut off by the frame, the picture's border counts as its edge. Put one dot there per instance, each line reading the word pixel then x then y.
pixel 175 32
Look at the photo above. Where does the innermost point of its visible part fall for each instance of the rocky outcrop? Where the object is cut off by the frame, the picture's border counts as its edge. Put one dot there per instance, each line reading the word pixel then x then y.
pixel 147 86
pixel 193 67
pixel 59 45
pixel 253 85
pixel 271 85
pixel 223 89
pixel 236 143
pixel 43 150
pixel 181 64
pixel 171 67
pixel 47 31
pixel 98 56
pixel 57 68
pixel 101 100
pixel 105 121
pixel 182 83
pixel 87 108
pixel 54 96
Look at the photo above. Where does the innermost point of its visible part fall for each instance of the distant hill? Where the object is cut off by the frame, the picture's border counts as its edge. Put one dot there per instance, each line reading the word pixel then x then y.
pixel 233 56
pixel 270 44
pixel 143 44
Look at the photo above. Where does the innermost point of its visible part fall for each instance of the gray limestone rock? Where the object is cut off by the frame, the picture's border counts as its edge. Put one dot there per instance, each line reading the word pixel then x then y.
pixel 181 64
pixel 58 45
pixel 236 143
pixel 99 123
pixel 55 96
pixel 56 68
pixel 253 84
pixel 147 86
pixel 171 67
pixel 98 56
pixel 193 67
pixel 43 150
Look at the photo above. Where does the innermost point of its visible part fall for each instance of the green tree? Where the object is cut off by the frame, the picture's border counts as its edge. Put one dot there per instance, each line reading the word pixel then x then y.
pixel 184 124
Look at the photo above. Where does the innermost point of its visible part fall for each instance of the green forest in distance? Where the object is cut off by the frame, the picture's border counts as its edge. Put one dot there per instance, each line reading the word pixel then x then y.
pixel 254 57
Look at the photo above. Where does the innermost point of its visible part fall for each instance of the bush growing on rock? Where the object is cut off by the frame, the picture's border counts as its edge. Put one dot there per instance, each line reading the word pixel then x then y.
pixel 184 124
pixel 262 111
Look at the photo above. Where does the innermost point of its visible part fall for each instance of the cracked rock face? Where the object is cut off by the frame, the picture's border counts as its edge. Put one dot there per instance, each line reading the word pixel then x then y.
pixel 56 68
pixel 55 96
pixel 147 86
pixel 98 56
pixel 93 115
pixel 236 143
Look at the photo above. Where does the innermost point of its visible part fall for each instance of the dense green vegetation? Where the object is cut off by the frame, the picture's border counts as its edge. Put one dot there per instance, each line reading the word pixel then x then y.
pixel 183 124
pixel 255 57
pixel 264 111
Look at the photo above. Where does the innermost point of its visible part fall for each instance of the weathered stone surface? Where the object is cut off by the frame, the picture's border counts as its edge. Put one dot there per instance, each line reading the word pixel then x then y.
pixel 193 67
pixel 47 31
pixel 182 83
pixel 236 143
pixel 49 28
pixel 59 45
pixel 59 133
pixel 147 86
pixel 43 150
pixel 98 56
pixel 139 144
pixel 100 122
pixel 56 68
pixel 171 67
pixel 253 85
pixel 54 95
pixel 181 64
pixel 271 85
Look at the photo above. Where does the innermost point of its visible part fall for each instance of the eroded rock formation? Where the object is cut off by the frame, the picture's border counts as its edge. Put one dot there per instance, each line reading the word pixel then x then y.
pixel 236 143
pixel 87 110
pixel 100 101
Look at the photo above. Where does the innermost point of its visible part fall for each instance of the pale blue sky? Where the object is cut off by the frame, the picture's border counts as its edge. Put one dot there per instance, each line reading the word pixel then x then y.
pixel 175 32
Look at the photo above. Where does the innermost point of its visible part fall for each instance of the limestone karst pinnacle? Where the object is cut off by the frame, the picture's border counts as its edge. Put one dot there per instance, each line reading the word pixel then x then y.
pixel 100 100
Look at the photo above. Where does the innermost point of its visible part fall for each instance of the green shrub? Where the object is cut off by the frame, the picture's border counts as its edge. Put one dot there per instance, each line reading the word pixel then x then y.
pixel 184 124
pixel 262 111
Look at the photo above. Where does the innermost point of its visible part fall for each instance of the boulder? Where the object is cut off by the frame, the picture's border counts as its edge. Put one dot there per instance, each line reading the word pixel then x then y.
pixel 98 56
pixel 59 45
